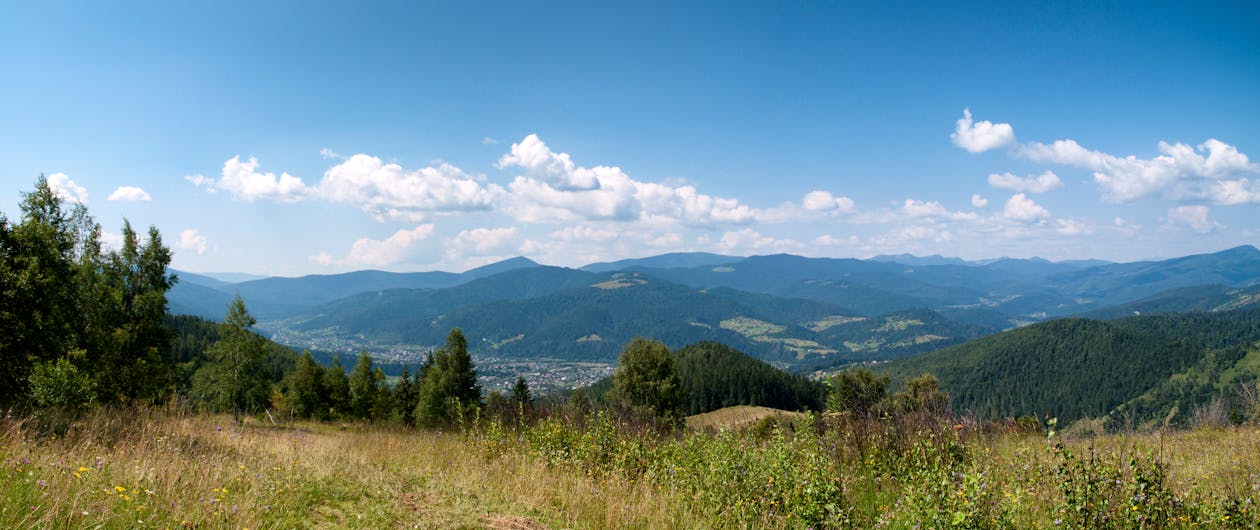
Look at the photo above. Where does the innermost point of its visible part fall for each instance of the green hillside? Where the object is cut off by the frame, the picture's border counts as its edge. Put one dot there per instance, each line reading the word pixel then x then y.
pixel 1076 368
pixel 715 376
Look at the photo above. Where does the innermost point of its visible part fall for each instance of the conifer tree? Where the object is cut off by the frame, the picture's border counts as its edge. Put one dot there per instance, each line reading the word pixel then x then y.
pixel 337 387
pixel 305 387
pixel 448 389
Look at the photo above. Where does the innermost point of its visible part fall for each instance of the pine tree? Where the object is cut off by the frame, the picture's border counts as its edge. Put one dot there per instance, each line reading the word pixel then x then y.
pixel 305 387
pixel 337 387
pixel 448 389
pixel 362 386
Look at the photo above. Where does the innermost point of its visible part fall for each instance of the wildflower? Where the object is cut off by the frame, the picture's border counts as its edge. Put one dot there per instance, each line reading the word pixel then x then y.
pixel 120 489
pixel 43 484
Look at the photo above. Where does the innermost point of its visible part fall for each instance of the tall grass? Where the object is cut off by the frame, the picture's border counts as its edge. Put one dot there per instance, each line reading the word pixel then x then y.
pixel 166 468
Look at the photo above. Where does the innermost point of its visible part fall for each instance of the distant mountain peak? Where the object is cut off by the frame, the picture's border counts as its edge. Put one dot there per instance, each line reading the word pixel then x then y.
pixel 519 262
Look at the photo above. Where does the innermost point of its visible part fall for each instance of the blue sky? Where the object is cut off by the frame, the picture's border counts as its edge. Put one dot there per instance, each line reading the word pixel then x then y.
pixel 294 138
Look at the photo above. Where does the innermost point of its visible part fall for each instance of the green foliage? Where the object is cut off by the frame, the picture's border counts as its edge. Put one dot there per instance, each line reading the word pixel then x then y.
pixel 235 377
pixel 337 386
pixel 646 382
pixel 922 395
pixel 305 389
pixel 858 392
pixel 63 298
pixel 59 384
pixel 448 384
pixel 368 397
pixel 1069 368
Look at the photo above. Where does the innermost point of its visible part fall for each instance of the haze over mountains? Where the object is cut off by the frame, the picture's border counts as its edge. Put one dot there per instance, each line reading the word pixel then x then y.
pixel 795 311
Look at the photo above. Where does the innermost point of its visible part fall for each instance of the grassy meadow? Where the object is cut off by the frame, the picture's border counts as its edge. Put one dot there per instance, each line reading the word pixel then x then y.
pixel 172 469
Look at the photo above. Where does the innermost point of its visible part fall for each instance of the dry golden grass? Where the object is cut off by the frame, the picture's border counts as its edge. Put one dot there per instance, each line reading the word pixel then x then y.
pixel 171 469
pixel 160 470
pixel 738 417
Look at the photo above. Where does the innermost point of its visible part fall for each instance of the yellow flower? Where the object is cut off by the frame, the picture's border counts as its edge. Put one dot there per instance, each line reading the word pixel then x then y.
pixel 120 489
pixel 84 469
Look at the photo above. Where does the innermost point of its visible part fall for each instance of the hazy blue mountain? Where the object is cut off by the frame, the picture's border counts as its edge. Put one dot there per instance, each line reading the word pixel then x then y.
pixel 571 314
pixel 277 297
pixel 519 262
pixel 910 259
pixel 1125 282
pixel 200 279
pixel 234 277
pixel 1211 298
pixel 189 298
pixel 675 260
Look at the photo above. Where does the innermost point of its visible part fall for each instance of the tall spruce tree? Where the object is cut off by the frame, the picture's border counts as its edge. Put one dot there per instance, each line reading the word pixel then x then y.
pixel 305 387
pixel 448 389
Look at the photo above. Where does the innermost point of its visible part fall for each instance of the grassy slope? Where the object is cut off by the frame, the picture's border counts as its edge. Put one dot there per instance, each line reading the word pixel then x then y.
pixel 160 470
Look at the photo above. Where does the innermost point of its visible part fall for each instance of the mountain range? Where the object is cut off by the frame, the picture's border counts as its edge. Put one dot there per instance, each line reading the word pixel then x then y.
pixel 797 312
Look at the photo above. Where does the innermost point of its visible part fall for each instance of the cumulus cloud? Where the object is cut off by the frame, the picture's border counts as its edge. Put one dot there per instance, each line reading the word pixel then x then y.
pixel 192 240
pixel 1211 170
pixel 329 154
pixel 749 241
pixel 1072 227
pixel 977 137
pixel 129 193
pixel 1021 208
pixel 590 242
pixel 557 169
pixel 824 201
pixel 67 189
pixel 932 209
pixel 243 181
pixel 486 140
pixel 391 250
pixel 554 188
pixel 1194 217
pixel 978 201
pixel 1031 184
pixel 480 241
pixel 387 191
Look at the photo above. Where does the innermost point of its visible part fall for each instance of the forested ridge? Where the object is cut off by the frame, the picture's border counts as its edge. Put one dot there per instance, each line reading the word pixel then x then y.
pixel 1077 368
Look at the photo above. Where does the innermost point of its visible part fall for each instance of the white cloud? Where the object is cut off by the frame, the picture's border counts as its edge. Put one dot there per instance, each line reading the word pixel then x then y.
pixel 932 209
pixel 557 169
pixel 486 140
pixel 323 259
pixel 329 154
pixel 386 191
pixel 244 182
pixel 112 240
pixel 129 193
pixel 1194 217
pixel 554 189
pixel 977 137
pixel 1021 208
pixel 828 240
pixel 1072 227
pixel 590 242
pixel 192 240
pixel 1179 171
pixel 202 182
pixel 749 241
pixel 1230 192
pixel 481 240
pixel 391 250
pixel 1038 184
pixel 65 188
pixel 978 201
pixel 824 201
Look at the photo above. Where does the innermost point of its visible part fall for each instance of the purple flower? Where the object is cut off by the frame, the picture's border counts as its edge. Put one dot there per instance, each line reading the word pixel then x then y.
pixel 42 484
